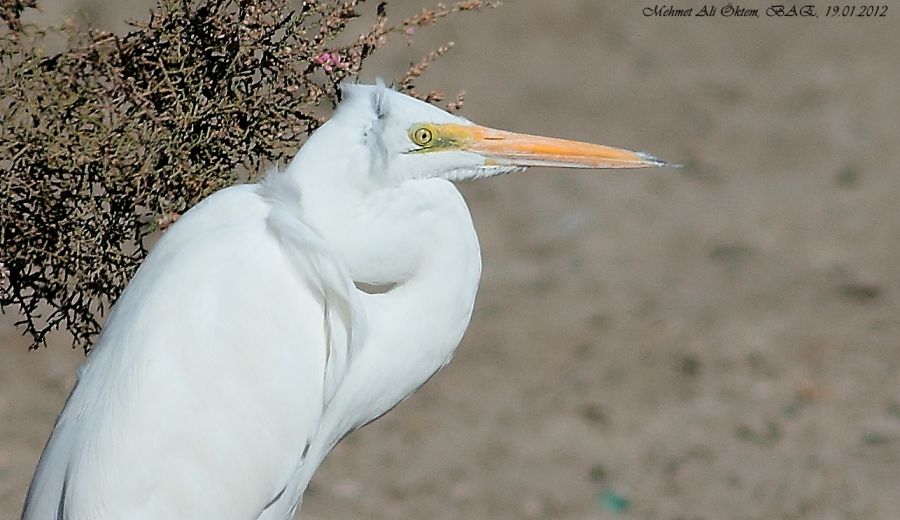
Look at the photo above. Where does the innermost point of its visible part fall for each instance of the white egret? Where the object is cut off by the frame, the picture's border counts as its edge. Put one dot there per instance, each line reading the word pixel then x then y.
pixel 242 352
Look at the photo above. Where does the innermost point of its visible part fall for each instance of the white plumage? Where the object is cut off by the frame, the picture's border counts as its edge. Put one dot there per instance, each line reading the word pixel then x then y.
pixel 242 352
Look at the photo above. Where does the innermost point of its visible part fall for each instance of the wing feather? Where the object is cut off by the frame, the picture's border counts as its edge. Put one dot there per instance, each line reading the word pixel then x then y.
pixel 210 376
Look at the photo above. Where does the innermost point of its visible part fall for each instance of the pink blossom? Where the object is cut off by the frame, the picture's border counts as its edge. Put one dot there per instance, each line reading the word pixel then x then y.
pixel 330 61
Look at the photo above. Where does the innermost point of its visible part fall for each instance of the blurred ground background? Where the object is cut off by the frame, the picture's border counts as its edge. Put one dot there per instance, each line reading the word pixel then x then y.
pixel 716 342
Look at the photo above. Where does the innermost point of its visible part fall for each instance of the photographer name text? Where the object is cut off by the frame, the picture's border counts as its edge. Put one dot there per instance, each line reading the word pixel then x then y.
pixel 731 10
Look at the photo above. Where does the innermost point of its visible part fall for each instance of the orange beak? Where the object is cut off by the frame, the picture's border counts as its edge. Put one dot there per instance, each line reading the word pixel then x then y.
pixel 508 148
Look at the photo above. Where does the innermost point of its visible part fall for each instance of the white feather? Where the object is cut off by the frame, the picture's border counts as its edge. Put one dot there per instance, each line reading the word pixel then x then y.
pixel 242 352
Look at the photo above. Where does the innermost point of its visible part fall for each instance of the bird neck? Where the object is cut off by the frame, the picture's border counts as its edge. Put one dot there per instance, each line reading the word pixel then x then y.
pixel 414 328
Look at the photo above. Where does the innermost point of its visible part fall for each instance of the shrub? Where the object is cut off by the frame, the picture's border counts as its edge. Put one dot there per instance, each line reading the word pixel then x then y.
pixel 106 143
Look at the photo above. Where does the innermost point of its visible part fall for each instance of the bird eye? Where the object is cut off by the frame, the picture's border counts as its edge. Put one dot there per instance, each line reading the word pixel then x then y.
pixel 422 136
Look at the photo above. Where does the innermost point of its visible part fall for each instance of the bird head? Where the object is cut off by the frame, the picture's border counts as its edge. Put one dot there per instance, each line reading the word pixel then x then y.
pixel 366 177
pixel 409 139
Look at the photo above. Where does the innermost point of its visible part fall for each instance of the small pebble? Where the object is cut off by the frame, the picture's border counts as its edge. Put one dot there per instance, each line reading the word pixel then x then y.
pixel 614 502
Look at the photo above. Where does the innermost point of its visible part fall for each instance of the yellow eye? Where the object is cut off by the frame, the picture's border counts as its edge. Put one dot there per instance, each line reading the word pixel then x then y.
pixel 422 136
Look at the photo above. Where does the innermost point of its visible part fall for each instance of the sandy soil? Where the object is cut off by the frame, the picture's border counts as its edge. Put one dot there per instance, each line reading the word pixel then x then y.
pixel 716 342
